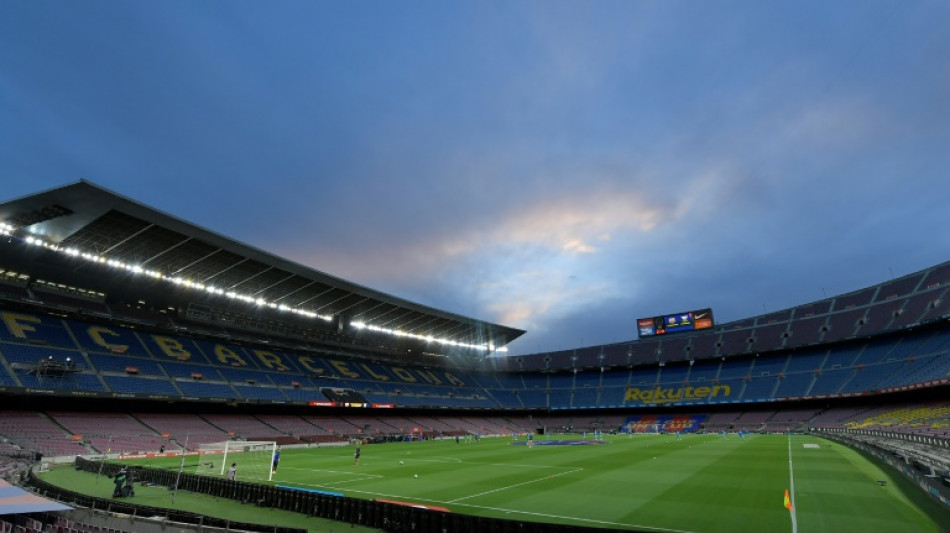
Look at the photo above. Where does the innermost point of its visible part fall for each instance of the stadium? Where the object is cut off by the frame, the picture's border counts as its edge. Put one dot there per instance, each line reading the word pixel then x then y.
pixel 136 342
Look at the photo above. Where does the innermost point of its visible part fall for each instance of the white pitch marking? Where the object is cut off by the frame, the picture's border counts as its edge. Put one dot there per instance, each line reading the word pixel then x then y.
pixel 604 522
pixel 515 485
pixel 333 472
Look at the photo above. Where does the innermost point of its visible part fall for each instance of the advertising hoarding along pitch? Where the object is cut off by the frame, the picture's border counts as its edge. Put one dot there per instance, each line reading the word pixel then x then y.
pixel 675 323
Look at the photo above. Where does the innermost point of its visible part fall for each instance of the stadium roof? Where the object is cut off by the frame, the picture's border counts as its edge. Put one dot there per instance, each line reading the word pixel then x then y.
pixel 14 500
pixel 83 218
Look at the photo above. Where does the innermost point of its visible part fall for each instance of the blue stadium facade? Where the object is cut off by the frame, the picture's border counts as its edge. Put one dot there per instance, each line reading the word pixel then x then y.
pixel 199 345
pixel 109 308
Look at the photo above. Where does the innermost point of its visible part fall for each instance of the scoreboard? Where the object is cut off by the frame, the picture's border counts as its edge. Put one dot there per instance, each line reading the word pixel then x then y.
pixel 675 323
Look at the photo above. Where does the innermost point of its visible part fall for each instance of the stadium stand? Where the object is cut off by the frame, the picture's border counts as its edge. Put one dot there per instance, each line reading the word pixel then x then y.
pixel 187 369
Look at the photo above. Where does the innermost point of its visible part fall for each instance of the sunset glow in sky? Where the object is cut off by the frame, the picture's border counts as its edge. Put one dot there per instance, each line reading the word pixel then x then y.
pixel 561 167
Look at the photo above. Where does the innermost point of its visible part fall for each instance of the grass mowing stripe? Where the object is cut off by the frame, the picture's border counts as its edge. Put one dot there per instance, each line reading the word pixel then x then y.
pixel 837 489
pixel 702 483
pixel 724 487
pixel 499 489
pixel 582 520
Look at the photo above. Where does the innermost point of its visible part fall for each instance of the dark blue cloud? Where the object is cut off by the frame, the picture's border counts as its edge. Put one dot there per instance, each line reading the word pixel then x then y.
pixel 559 167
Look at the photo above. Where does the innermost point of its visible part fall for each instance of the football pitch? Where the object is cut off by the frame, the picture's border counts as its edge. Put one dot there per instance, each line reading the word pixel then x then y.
pixel 701 483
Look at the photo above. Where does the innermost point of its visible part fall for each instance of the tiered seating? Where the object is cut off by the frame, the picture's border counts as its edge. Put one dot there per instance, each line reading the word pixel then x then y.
pixel 23 354
pixel 34 329
pixel 760 388
pixel 644 375
pixel 202 389
pixel 37 432
pixel 430 424
pixel 256 392
pixel 588 357
pixel 837 417
pixel 704 345
pixel 110 432
pixel 169 365
pixel 539 398
pixel 118 340
pixel 843 356
pixel 673 348
pixel 6 378
pixel 644 352
pixel 844 325
pixel 920 370
pixel 869 377
pixel 615 378
pixel 123 364
pixel 335 427
pixel 769 366
pixel 753 420
pixel 616 354
pixel 243 426
pixel 879 316
pixel 184 428
pixel 900 287
pixel 187 370
pixel 653 424
pixel 181 349
pixel 289 424
pixel 734 369
pixel 488 425
pixel 719 421
pixel 735 342
pixel 579 423
pixel 521 425
pixel 79 382
pixel 806 331
pixel 855 299
pixel 830 381
pixel 245 375
pixel 675 374
pixel 38 523
pixel 805 362
pixel 372 425
pixel 770 337
pixel 873 354
pixel 789 420
pixel 794 385
pixel 559 360
pixel 143 385
pixel 929 419
pixel 585 397
pixel 506 399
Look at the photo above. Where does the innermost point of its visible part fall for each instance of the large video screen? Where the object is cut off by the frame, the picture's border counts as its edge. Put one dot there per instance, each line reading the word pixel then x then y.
pixel 675 323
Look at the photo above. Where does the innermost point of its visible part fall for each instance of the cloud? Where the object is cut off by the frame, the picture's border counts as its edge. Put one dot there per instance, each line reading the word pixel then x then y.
pixel 837 123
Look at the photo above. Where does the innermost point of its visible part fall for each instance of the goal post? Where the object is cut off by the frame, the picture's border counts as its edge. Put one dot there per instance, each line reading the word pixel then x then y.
pixel 255 459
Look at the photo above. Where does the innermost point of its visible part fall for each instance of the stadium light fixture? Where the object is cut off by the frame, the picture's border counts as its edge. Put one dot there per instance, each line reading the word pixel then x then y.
pixel 8 230
pixel 356 324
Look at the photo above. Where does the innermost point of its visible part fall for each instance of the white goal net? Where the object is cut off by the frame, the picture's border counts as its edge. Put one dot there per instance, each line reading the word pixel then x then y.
pixel 253 460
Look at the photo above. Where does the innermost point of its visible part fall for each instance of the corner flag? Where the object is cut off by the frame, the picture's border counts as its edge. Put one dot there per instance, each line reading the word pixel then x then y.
pixel 788 502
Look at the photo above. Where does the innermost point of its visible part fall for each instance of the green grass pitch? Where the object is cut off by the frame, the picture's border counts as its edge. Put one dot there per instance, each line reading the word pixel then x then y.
pixel 702 483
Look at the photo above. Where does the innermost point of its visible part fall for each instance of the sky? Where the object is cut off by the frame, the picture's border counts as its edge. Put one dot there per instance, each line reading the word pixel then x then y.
pixel 563 167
